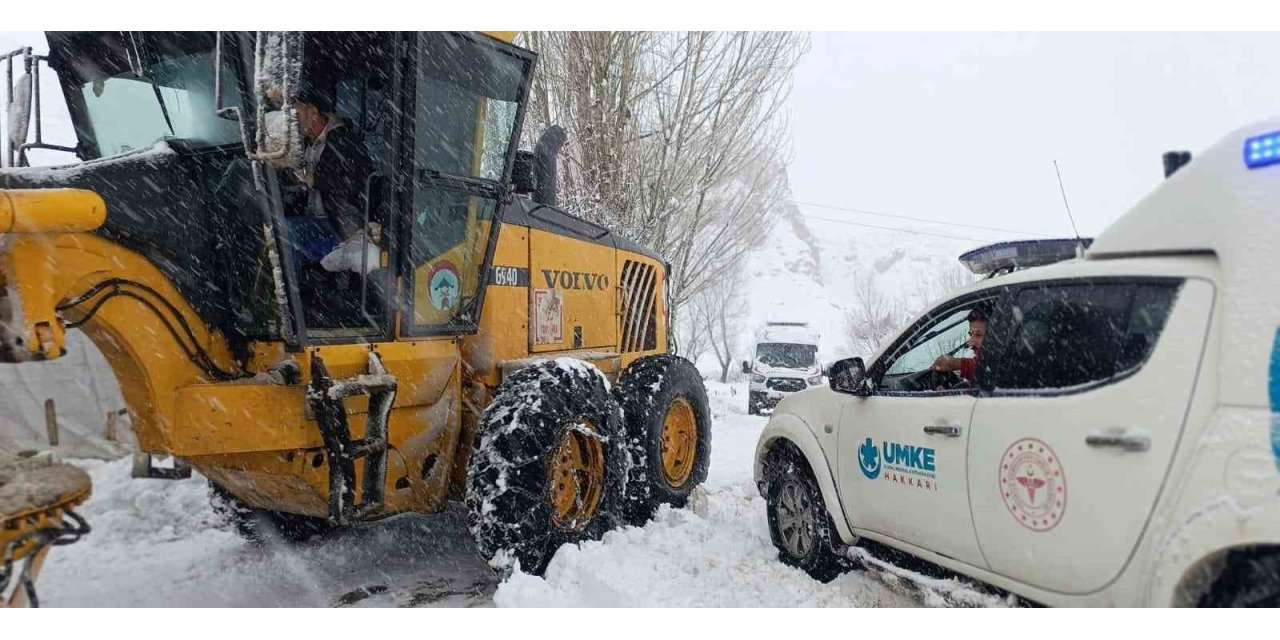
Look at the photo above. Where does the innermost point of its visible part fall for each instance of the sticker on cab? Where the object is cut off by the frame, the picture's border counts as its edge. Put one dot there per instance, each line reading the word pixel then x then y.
pixel 1033 484
pixel 443 285
pixel 548 316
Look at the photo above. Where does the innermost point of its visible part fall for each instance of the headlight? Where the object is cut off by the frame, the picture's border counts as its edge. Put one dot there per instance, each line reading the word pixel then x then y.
pixel 757 378
pixel 815 381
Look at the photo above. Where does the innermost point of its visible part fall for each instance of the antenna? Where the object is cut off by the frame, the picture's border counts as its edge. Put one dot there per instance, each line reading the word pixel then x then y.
pixel 1063 189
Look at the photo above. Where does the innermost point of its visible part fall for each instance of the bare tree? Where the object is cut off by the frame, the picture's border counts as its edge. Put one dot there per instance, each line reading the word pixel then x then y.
pixel 934 286
pixel 876 316
pixel 590 83
pixel 873 317
pixel 715 151
pixel 677 140
pixel 720 309
pixel 691 333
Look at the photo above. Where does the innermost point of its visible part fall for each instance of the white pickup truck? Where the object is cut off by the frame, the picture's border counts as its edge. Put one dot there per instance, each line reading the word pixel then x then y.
pixel 1117 440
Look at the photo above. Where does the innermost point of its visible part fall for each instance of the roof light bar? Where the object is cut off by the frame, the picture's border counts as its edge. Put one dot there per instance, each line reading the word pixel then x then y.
pixel 1021 254
pixel 1263 150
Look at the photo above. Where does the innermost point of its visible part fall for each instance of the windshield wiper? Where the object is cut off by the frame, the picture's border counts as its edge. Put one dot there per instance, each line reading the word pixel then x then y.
pixel 163 109
pixel 145 73
pixel 466 184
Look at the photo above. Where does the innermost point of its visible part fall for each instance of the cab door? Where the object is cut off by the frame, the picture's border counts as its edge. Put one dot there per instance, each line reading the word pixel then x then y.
pixel 1090 380
pixel 902 449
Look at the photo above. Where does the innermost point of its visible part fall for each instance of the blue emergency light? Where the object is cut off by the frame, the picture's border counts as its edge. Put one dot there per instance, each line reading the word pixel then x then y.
pixel 1263 150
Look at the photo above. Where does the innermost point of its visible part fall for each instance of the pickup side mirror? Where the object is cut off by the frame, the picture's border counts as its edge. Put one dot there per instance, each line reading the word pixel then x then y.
pixel 850 376
pixel 746 367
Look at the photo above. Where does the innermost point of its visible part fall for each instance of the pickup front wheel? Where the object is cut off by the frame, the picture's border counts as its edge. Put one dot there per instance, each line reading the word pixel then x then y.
pixel 799 524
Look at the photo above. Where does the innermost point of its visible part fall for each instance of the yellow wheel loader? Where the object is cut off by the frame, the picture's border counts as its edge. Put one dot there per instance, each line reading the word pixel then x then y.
pixel 468 341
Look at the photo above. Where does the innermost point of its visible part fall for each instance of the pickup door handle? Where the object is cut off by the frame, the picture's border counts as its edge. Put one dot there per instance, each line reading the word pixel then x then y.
pixel 1126 439
pixel 948 430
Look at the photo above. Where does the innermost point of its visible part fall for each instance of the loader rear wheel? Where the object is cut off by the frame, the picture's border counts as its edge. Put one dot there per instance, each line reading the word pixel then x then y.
pixel 262 525
pixel 669 424
pixel 549 467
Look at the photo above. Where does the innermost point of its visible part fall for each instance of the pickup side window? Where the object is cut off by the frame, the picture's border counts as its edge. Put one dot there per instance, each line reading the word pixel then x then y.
pixel 907 367
pixel 1067 336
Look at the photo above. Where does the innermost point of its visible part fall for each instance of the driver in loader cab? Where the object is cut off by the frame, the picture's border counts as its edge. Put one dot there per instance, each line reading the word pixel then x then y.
pixel 335 169
pixel 968 367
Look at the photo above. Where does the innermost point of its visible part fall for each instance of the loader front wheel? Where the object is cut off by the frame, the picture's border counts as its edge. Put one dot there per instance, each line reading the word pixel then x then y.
pixel 549 466
pixel 669 423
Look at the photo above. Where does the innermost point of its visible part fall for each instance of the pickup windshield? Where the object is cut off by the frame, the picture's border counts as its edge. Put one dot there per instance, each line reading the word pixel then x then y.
pixel 783 354
pixel 138 88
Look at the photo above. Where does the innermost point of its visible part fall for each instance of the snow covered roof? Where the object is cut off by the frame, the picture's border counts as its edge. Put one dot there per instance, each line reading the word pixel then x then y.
pixel 787 333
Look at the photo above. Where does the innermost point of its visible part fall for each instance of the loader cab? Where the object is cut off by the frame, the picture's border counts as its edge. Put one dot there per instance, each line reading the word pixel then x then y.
pixel 196 161
pixel 439 116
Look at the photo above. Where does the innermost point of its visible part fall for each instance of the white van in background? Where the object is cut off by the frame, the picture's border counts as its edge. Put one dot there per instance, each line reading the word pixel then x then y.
pixel 785 360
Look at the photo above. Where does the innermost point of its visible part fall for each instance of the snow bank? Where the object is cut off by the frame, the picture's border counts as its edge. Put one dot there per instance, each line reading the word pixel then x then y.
pixel 716 553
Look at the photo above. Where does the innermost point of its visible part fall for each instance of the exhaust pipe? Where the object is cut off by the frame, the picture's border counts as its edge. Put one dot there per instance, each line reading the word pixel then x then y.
pixel 1174 160
pixel 545 153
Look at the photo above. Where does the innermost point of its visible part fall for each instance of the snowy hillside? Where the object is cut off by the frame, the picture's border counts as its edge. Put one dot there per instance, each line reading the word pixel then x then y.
pixel 809 266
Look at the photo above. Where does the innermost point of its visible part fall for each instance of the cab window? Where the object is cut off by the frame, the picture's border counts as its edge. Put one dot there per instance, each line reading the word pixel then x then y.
pixel 341 259
pixel 466 102
pixel 140 87
pixel 468 98
pixel 1068 336
pixel 448 238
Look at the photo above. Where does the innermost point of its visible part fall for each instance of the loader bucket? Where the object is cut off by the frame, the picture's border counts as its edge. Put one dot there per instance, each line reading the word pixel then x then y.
pixel 37 494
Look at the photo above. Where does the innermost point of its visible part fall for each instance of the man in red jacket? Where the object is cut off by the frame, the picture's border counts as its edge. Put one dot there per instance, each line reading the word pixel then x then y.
pixel 968 367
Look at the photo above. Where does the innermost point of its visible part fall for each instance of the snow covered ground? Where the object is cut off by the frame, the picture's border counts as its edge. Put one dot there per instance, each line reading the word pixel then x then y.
pixel 159 543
